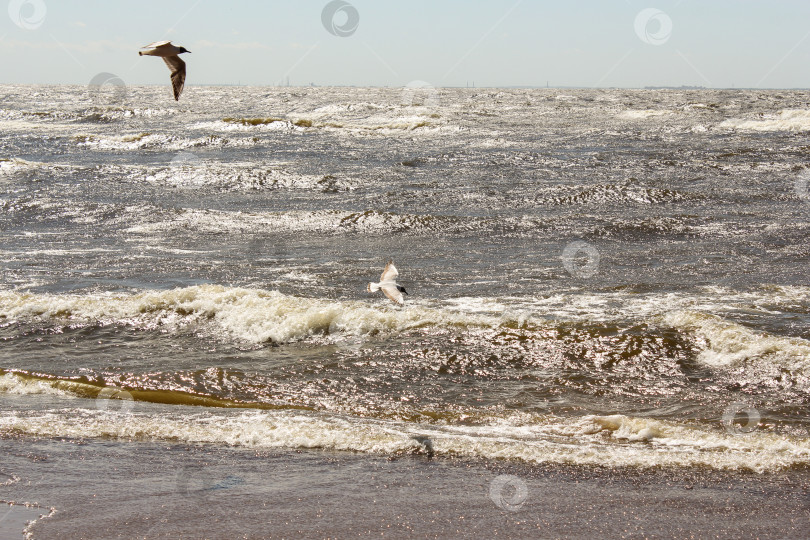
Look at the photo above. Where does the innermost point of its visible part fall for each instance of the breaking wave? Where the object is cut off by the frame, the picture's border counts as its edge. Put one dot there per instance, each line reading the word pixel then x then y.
pixel 785 120
pixel 251 315
pixel 610 441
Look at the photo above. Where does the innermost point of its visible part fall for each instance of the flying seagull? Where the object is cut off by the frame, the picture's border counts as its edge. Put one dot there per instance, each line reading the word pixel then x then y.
pixel 388 284
pixel 169 53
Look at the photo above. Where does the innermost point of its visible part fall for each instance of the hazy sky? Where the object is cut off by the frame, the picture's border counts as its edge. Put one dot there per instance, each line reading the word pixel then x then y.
pixel 625 43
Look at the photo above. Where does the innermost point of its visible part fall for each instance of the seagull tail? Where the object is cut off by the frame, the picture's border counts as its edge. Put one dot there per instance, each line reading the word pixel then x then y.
pixel 373 287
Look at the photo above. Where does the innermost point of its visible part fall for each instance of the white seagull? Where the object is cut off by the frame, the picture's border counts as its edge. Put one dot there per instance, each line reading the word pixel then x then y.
pixel 388 284
pixel 169 53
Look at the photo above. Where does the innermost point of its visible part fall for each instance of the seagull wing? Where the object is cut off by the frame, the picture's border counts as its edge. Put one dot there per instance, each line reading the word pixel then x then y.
pixel 178 68
pixel 390 273
pixel 393 293
pixel 157 44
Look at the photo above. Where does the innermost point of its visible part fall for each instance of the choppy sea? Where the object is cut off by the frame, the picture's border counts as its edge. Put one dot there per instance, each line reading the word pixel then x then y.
pixel 610 280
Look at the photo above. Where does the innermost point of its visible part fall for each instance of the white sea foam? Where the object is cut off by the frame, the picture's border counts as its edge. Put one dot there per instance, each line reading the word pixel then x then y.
pixel 785 120
pixel 140 141
pixel 258 316
pixel 13 384
pixel 731 344
pixel 645 113
pixel 243 176
pixel 611 441
pixel 720 341
pixel 246 125
pixel 246 314
pixel 320 221
pixel 8 166
pixel 215 221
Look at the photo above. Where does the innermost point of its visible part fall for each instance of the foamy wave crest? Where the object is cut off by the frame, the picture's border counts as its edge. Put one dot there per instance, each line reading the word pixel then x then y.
pixel 13 165
pixel 251 315
pixel 14 384
pixel 645 113
pixel 728 344
pixel 611 441
pixel 611 193
pixel 243 176
pixel 323 221
pixel 140 141
pixel 104 115
pixel 786 120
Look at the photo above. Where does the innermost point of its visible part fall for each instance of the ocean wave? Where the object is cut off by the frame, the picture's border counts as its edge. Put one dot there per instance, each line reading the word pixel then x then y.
pixel 391 125
pixel 89 115
pixel 324 221
pixel 189 171
pixel 141 141
pixel 729 344
pixel 105 115
pixel 13 165
pixel 609 441
pixel 623 304
pixel 645 113
pixel 352 107
pixel 26 384
pixel 785 120
pixel 260 316
pixel 617 193
pixel 252 125
pixel 43 207
pixel 11 383
pixel 250 315
pixel 670 226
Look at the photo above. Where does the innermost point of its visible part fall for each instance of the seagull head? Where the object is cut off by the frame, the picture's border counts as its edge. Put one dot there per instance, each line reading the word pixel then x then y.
pixel 401 289
pixel 182 50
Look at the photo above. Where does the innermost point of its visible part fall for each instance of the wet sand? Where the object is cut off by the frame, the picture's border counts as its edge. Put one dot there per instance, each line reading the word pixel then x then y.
pixel 143 490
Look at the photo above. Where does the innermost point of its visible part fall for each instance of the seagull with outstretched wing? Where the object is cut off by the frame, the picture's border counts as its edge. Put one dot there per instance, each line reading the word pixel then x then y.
pixel 170 55
pixel 388 284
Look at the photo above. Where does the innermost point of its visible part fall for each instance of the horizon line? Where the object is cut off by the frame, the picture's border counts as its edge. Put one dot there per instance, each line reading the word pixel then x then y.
pixel 518 86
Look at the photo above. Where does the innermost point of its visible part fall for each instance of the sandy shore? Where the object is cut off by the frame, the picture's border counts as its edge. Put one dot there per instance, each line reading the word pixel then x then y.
pixel 142 490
